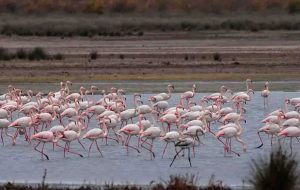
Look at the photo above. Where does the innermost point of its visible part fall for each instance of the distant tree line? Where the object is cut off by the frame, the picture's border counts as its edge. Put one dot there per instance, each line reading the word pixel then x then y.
pixel 147 6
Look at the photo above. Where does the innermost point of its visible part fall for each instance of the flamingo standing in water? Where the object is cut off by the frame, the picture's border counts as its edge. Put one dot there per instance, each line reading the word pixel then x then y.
pixel 69 136
pixel 291 132
pixel 4 123
pixel 45 137
pixel 151 133
pixel 170 137
pixel 95 134
pixel 162 96
pixel 270 129
pixel 187 95
pixel 130 130
pixel 185 143
pixel 228 131
pixel 265 93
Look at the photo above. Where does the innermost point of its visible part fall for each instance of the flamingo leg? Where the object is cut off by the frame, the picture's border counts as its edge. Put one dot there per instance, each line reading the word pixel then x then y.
pixel 189 156
pixel 175 157
pixel 291 144
pixel 67 149
pixel 271 139
pixel 149 149
pixel 98 148
pixel 27 137
pixel 43 154
pixel 81 144
pixel 2 137
pixel 43 150
pixel 7 134
pixel 165 149
pixel 193 151
pixel 90 148
pixel 129 146
pixel 258 133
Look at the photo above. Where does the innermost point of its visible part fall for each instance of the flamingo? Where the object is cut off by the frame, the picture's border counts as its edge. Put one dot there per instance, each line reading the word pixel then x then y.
pixel 269 128
pixel 187 95
pixel 130 130
pixel 185 143
pixel 45 137
pixel 78 96
pixel 228 131
pixel 170 137
pixel 265 93
pixel 151 133
pixel 20 124
pixel 291 132
pixel 70 112
pixel 95 134
pixel 162 96
pixel 4 123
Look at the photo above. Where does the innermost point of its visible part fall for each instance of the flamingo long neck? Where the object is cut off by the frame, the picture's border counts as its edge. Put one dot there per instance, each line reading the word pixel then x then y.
pixel 105 129
pixel 80 125
pixel 286 109
pixel 67 89
pixel 239 128
pixel 205 124
pixel 141 126
pixel 53 113
pixel 135 102
pixel 77 106
pixel 169 92
pixel 29 95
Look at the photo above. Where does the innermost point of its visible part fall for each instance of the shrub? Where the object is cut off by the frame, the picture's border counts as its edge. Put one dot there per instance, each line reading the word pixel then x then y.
pixel 58 56
pixel 4 54
pixel 140 33
pixel 37 54
pixel 278 171
pixel 178 182
pixel 94 55
pixel 217 56
pixel 21 54
pixel 294 6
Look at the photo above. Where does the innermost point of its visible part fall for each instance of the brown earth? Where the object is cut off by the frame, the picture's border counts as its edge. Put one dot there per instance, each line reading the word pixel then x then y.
pixel 266 55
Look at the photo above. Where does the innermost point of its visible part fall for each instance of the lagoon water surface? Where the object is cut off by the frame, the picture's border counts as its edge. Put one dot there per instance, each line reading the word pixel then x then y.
pixel 21 163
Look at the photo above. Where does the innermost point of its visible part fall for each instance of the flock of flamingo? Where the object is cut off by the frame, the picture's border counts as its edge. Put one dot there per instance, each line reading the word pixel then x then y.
pixel 64 117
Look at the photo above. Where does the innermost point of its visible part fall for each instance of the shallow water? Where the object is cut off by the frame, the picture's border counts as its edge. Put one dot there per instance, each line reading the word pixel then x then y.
pixel 21 163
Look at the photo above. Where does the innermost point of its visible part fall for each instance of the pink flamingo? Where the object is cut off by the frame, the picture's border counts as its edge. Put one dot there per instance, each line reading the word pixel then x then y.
pixel 265 93
pixel 150 133
pixel 163 96
pixel 95 134
pixel 130 130
pixel 269 128
pixel 70 136
pixel 187 95
pixel 228 131
pixel 291 132
pixel 4 123
pixel 45 137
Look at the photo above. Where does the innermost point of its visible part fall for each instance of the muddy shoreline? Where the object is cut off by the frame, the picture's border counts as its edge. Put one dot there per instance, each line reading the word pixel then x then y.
pixel 183 55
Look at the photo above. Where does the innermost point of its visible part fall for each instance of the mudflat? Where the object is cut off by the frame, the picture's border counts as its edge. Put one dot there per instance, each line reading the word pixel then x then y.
pixel 205 55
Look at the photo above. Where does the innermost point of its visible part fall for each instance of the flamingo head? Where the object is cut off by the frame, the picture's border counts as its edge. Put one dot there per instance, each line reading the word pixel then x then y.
pixel 171 86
